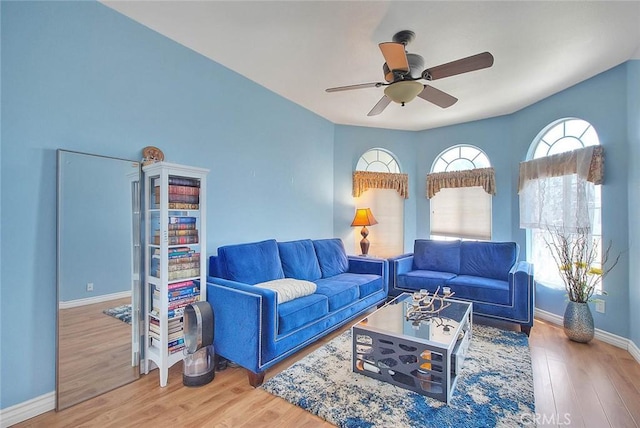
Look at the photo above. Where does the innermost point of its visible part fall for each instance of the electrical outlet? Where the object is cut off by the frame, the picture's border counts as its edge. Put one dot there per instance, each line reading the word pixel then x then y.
pixel 89 286
pixel 599 305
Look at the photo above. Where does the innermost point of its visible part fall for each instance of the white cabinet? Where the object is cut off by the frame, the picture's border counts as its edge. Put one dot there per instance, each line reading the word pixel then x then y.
pixel 175 258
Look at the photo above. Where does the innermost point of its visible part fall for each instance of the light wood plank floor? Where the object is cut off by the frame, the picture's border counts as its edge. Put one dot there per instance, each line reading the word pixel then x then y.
pixel 94 351
pixel 578 385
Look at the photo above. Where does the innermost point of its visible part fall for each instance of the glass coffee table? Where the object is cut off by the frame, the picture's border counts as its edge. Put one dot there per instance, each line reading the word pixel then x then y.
pixel 424 355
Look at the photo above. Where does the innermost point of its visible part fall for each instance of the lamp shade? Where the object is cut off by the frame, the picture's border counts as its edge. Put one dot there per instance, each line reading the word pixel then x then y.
pixel 404 91
pixel 364 217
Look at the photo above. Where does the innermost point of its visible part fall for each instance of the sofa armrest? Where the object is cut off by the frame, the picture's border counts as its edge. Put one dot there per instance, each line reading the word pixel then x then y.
pixel 373 266
pixel 398 265
pixel 244 315
pixel 521 280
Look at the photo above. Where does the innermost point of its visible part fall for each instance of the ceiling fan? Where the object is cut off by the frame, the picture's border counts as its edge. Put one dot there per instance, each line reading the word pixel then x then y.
pixel 402 71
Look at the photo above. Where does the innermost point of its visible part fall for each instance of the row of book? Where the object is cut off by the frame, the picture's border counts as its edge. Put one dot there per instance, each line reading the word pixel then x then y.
pixel 175 334
pixel 179 295
pixel 183 262
pixel 181 231
pixel 183 193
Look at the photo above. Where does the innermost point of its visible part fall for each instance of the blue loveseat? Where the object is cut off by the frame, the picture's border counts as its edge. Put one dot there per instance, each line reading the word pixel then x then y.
pixel 254 329
pixel 486 273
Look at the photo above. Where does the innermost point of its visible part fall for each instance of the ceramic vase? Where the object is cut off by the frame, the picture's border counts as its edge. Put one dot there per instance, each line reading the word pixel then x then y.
pixel 578 322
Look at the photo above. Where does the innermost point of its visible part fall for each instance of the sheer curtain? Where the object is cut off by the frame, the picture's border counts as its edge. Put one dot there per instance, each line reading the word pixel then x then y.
pixel 558 192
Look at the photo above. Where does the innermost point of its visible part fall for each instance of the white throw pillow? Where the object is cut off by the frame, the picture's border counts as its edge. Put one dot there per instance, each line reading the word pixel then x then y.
pixel 289 288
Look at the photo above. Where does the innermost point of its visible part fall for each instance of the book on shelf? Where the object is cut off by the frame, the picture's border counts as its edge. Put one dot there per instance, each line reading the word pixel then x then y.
pixel 175 189
pixel 185 291
pixel 181 220
pixel 183 259
pixel 181 226
pixel 177 274
pixel 173 267
pixel 175 285
pixel 173 324
pixel 182 232
pixel 183 206
pixel 175 252
pixel 177 240
pixel 172 313
pixel 184 181
pixel 170 336
pixel 179 197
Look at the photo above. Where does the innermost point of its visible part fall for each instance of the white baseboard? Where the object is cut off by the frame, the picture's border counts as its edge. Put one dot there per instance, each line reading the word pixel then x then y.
pixel 91 300
pixel 605 336
pixel 27 410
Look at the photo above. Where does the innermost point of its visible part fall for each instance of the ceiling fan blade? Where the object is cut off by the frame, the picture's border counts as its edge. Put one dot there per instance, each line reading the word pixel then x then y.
pixel 437 97
pixel 380 106
pixel 464 65
pixel 358 86
pixel 395 56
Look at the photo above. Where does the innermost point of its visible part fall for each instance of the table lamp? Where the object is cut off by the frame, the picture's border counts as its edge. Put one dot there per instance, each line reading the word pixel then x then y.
pixel 364 218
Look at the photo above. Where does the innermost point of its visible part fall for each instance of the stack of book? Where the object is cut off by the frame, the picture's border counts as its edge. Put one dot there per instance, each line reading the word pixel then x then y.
pixel 179 295
pixel 181 230
pixel 184 193
pixel 184 262
pixel 175 341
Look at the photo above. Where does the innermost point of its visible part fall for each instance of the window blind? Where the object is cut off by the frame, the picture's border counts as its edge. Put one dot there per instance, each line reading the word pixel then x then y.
pixel 463 212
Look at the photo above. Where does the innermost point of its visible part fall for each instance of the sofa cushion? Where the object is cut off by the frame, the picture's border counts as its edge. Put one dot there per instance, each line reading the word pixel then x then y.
pixel 438 256
pixel 331 256
pixel 289 288
pixel 367 283
pixel 299 312
pixel 488 259
pixel 251 263
pixel 299 260
pixel 480 289
pixel 339 293
pixel 423 279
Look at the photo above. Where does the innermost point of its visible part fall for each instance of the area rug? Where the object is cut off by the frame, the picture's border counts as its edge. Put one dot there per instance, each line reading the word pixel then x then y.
pixel 494 389
pixel 123 313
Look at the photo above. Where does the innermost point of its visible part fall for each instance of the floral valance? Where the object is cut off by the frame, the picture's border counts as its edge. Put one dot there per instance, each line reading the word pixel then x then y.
pixel 587 163
pixel 364 180
pixel 483 177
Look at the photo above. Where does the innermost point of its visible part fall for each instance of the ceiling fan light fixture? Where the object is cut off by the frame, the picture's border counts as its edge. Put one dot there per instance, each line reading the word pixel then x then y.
pixel 404 91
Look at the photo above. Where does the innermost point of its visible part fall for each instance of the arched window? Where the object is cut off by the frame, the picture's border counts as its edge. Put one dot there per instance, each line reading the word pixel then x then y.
pixel 387 206
pixel 378 160
pixel 561 136
pixel 460 212
pixel 459 158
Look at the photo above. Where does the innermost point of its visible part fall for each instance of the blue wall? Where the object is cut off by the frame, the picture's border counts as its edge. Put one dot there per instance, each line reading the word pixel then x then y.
pixel 80 76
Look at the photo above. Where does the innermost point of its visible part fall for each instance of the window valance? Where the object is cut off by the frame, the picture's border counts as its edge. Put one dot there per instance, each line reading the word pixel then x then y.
pixel 587 163
pixel 483 177
pixel 364 180
pixel 558 191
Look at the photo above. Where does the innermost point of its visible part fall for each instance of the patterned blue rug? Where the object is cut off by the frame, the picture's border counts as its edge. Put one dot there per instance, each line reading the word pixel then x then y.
pixel 123 313
pixel 495 388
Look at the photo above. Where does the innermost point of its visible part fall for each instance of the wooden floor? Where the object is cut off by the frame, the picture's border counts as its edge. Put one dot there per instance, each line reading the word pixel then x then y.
pixel 94 351
pixel 578 385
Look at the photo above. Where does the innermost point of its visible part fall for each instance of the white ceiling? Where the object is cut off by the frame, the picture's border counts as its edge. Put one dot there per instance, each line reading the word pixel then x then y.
pixel 299 48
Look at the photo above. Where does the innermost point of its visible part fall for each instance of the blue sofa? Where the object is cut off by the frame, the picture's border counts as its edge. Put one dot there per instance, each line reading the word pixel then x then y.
pixel 486 273
pixel 254 329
